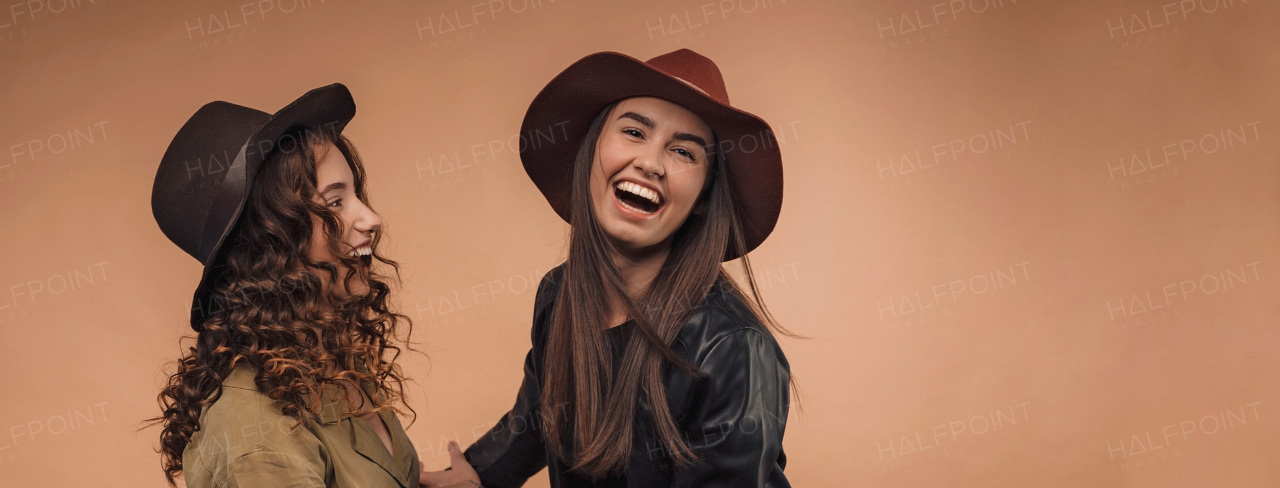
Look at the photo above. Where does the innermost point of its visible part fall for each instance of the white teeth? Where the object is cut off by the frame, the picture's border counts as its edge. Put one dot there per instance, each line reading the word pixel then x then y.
pixel 640 191
pixel 361 251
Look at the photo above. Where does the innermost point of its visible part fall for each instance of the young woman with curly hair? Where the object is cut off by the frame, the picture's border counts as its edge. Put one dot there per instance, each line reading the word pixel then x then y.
pixel 292 379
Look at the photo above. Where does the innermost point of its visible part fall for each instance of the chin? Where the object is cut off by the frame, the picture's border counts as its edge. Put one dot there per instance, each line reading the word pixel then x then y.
pixel 631 243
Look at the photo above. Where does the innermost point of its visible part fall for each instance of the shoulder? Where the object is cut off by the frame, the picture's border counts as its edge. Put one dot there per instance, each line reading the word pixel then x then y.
pixel 240 403
pixel 544 301
pixel 724 322
pixel 548 289
pixel 550 283
pixel 241 400
pixel 245 424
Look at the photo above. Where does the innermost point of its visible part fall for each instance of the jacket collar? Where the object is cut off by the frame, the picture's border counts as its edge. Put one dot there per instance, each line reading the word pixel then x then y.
pixel 367 443
pixel 332 402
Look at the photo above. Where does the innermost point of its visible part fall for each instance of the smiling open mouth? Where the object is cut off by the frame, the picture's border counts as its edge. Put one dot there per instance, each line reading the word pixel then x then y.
pixel 636 197
pixel 365 254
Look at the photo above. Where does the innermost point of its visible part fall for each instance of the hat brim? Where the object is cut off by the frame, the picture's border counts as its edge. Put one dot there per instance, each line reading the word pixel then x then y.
pixel 559 116
pixel 327 106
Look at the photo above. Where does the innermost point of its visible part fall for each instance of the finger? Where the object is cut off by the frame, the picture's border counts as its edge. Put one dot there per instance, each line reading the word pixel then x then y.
pixel 435 478
pixel 455 454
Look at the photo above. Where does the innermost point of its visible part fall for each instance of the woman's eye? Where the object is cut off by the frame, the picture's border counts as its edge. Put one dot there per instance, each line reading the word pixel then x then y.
pixel 685 152
pixel 337 202
pixel 633 132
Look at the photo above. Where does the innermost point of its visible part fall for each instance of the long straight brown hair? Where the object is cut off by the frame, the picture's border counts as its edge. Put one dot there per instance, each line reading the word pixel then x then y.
pixel 578 366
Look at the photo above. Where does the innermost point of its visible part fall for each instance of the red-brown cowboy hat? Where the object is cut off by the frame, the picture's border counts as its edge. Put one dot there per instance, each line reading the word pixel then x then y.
pixel 206 173
pixel 568 104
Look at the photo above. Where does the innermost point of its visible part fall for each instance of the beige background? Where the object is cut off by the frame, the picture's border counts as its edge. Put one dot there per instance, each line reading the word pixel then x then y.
pixel 1034 243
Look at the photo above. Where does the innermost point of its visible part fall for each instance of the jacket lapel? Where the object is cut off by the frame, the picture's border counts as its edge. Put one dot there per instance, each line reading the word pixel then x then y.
pixel 369 445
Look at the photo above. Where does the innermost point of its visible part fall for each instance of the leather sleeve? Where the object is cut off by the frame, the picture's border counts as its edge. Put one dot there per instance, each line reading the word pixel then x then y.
pixel 513 450
pixel 737 426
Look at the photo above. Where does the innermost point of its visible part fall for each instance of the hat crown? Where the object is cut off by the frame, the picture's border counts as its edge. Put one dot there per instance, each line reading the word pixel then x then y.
pixel 194 168
pixel 694 69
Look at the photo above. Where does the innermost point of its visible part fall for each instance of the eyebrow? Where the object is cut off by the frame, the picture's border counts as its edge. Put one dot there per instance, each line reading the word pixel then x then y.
pixel 638 118
pixel 685 136
pixel 334 186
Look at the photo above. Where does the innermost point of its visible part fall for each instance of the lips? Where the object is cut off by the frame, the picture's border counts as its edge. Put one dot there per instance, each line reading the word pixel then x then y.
pixel 637 197
pixel 364 252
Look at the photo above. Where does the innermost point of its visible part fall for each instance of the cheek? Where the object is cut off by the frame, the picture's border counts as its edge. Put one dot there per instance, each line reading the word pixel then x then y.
pixel 686 187
pixel 318 244
pixel 596 183
pixel 611 156
pixel 343 222
pixel 603 166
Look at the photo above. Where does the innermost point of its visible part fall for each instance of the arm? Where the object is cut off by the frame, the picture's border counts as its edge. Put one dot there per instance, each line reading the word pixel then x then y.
pixel 278 469
pixel 737 429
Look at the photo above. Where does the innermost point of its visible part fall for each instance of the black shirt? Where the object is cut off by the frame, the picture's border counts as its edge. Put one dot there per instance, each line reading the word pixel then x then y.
pixel 617 339
pixel 733 417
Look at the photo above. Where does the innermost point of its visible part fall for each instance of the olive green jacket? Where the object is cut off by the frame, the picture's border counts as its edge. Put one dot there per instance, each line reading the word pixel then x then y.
pixel 245 441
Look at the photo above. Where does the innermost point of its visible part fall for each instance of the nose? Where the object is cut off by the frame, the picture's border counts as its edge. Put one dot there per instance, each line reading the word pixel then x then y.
pixel 650 162
pixel 368 220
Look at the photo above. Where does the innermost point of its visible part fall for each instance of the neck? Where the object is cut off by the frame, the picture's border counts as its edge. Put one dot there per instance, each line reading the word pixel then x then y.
pixel 638 270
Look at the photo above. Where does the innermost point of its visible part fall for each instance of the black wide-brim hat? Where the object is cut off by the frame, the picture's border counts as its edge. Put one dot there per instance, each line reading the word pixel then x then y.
pixel 569 103
pixel 204 177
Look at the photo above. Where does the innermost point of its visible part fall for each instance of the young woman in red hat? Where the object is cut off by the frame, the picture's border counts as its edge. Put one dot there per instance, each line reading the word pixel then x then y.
pixel 292 379
pixel 650 366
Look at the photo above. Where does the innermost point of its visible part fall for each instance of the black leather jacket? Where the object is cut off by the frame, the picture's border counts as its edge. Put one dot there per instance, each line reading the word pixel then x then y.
pixel 733 418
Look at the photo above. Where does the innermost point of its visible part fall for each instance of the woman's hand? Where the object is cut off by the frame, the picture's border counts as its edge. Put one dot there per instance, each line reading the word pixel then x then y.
pixel 459 475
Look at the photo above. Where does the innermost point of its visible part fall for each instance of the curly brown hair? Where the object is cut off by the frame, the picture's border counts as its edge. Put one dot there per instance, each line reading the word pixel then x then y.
pixel 270 308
